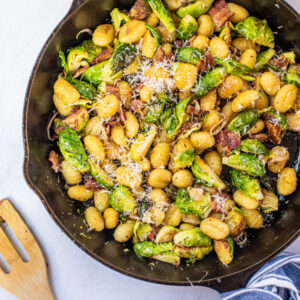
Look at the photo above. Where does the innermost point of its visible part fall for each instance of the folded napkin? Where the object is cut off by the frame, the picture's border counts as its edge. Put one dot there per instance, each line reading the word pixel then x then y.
pixel 278 279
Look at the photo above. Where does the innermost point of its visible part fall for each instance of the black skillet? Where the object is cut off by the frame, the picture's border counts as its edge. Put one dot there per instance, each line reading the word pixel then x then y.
pixel 264 244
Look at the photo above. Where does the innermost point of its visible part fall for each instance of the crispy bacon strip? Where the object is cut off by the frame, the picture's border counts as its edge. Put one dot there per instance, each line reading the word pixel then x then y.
pixel 104 55
pixel 139 10
pixel 220 12
pixel 55 161
pixel 79 72
pixel 159 55
pixel 111 89
pixel 274 129
pixel 136 105
pixel 206 63
pixel 169 57
pixel 280 62
pixel 216 205
pixel 228 141
pixel 91 183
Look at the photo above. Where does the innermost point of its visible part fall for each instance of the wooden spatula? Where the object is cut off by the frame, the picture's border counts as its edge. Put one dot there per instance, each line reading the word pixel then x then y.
pixel 27 280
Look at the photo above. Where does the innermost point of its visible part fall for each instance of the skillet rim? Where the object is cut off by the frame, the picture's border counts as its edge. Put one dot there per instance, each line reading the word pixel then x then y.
pixel 213 282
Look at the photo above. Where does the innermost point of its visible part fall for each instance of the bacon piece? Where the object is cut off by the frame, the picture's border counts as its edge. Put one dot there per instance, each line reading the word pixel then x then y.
pixel 206 63
pixel 159 55
pixel 122 115
pixel 169 57
pixel 218 205
pixel 280 62
pixel 55 161
pixel 111 89
pixel 75 109
pixel 104 55
pixel 261 137
pixel 136 105
pixel 191 39
pixel 91 183
pixel 193 109
pixel 228 141
pixel 79 72
pixel 178 44
pixel 139 10
pixel 220 12
pixel 274 129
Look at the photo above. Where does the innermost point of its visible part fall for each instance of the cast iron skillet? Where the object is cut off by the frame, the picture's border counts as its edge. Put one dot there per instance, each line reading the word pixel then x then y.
pixel 38 108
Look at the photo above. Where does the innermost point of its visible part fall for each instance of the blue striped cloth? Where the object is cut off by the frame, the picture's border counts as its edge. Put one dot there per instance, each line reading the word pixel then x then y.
pixel 278 279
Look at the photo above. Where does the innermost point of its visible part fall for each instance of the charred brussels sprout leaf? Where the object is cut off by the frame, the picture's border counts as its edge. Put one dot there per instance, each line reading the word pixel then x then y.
pixel 61 60
pixel 192 237
pixel 233 67
pixel 108 70
pixel 156 108
pixel 101 176
pixel 195 9
pixel 155 33
pixel 256 31
pixel 209 81
pixel 85 89
pixel 254 147
pixel 188 206
pixel 189 55
pixel 226 31
pixel 169 121
pixel 187 28
pixel 163 14
pixel 143 207
pixel 224 250
pixel 142 144
pixel 185 159
pixel 141 231
pixel 118 18
pixel 205 175
pixel 293 75
pixel 148 249
pixel 168 257
pixel 263 58
pixel 122 200
pixel 243 121
pixel 246 183
pixel 92 49
pixel 72 150
pixel 122 56
pixel 270 202
pixel 245 162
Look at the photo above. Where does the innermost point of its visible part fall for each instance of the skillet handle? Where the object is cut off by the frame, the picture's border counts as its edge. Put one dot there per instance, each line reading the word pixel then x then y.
pixel 75 4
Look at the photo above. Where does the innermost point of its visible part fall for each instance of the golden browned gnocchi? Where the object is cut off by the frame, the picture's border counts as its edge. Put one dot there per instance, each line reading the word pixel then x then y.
pixel 173 124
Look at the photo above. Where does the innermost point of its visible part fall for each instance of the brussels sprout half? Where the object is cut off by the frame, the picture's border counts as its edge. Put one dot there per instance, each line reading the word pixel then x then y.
pixel 72 150
pixel 195 9
pixel 156 108
pixel 192 253
pixel 118 18
pixel 168 257
pixel 205 175
pixel 92 49
pixel 256 31
pixel 122 200
pixel 263 58
pixel 270 201
pixel 141 231
pixel 166 234
pixel 233 67
pixel 243 121
pixel 148 249
pixel 189 55
pixel 192 237
pixel 142 144
pixel 189 206
pixel 247 184
pixel 101 176
pixel 209 81
pixel 253 146
pixel 245 162
pixel 185 159
pixel 163 14
pixel 187 28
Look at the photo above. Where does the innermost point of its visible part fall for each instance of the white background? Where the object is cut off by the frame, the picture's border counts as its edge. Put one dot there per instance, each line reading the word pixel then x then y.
pixel 24 27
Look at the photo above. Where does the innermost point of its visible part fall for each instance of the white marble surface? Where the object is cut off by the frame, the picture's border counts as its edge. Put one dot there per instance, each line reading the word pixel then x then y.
pixel 24 27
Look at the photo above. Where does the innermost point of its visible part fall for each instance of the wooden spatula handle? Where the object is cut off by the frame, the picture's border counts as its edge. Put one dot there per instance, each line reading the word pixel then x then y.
pixel 27 280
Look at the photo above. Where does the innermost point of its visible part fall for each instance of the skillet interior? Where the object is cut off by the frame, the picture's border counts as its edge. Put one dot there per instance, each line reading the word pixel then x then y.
pixel 38 109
